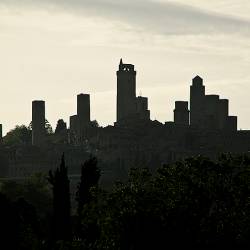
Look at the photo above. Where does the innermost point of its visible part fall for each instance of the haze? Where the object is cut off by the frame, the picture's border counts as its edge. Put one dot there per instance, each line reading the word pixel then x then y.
pixel 54 50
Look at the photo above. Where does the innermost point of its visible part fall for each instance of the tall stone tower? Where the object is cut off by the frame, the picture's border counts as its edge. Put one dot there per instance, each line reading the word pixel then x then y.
pixel 142 111
pixel 80 123
pixel 181 113
pixel 231 123
pixel 197 100
pixel 223 113
pixel 211 112
pixel 126 92
pixel 38 123
pixel 83 109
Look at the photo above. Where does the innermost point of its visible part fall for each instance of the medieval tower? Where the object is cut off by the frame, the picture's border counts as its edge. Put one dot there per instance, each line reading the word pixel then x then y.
pixel 38 123
pixel 126 92
pixel 197 97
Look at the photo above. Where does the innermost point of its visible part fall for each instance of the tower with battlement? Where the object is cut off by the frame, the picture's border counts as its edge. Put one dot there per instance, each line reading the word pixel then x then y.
pixel 126 92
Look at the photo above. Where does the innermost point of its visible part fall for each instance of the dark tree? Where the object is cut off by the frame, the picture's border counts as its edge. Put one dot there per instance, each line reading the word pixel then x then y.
pixel 4 162
pixel 195 203
pixel 29 232
pixel 86 196
pixel 94 124
pixel 61 126
pixel 61 203
pixel 19 227
pixel 20 135
pixel 90 175
pixel 48 127
pixel 9 223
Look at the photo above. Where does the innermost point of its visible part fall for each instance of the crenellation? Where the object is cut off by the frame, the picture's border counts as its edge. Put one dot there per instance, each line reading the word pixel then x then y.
pixel 202 126
pixel 126 92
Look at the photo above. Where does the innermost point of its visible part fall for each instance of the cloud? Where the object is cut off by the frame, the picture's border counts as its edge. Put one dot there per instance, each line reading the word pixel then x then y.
pixel 166 18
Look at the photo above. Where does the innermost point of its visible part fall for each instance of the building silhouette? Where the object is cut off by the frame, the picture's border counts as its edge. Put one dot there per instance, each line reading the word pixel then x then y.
pixel 129 107
pixel 209 111
pixel 201 126
pixel 181 113
pixel 197 100
pixel 80 123
pixel 38 123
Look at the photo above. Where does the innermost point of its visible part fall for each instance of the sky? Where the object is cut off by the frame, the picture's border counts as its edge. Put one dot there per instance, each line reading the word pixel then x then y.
pixel 53 50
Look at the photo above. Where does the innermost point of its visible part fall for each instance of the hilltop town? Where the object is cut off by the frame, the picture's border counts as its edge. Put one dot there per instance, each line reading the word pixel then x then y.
pixel 202 126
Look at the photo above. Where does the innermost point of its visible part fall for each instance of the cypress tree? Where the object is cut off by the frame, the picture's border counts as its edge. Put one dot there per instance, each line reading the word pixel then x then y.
pixel 90 175
pixel 61 203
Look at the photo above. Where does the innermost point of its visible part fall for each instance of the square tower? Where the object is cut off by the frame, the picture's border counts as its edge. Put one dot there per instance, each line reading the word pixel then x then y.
pixel 197 101
pixel 126 92
pixel 181 113
pixel 38 123
pixel 83 109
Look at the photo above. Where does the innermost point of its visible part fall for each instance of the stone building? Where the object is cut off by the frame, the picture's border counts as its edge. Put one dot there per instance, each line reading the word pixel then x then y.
pixel 38 123
pixel 181 113
pixel 197 96
pixel 129 108
pixel 201 127
pixel 80 123
pixel 209 111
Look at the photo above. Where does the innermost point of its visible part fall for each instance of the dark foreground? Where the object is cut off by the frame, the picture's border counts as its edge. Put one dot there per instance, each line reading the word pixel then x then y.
pixel 194 203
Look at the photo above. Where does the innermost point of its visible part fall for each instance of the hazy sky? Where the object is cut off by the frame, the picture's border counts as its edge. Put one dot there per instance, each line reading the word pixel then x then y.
pixel 55 49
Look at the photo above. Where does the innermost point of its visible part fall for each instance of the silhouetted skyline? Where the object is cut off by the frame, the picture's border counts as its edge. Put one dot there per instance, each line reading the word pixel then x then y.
pixel 53 50
pixel 124 124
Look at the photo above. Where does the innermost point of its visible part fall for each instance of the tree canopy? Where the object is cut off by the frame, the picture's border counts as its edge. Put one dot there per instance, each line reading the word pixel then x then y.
pixel 195 203
pixel 20 135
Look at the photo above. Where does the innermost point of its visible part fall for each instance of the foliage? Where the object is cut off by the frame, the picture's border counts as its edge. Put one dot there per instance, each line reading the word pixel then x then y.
pixel 35 190
pixel 19 225
pixel 61 203
pixel 94 124
pixel 87 228
pixel 61 126
pixel 195 203
pixel 48 127
pixel 90 175
pixel 20 135
pixel 210 200
pixel 4 163
pixel 131 215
